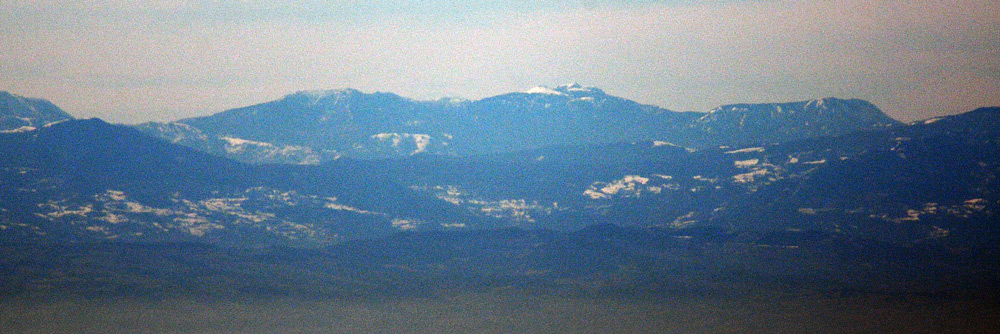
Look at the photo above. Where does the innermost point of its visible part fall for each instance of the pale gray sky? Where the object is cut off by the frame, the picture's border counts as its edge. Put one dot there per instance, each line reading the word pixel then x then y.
pixel 133 61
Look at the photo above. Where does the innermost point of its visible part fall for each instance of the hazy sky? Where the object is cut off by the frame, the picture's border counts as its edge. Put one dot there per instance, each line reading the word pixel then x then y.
pixel 132 61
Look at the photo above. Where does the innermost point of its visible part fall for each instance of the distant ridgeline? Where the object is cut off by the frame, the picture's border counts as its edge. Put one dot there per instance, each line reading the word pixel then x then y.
pixel 314 127
pixel 18 113
pixel 559 158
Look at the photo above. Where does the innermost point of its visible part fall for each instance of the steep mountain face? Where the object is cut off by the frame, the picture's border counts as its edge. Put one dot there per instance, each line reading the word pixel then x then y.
pixel 88 180
pixel 18 113
pixel 314 127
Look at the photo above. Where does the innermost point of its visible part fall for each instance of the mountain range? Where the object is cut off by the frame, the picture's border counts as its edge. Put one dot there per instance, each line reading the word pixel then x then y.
pixel 320 126
pixel 828 165
pixel 826 206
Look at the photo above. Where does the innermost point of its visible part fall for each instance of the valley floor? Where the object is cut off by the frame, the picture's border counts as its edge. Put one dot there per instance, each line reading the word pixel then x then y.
pixel 603 279
pixel 509 311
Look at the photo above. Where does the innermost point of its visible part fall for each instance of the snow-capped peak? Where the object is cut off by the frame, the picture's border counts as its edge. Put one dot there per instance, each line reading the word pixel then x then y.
pixel 570 86
pixel 574 89
pixel 543 90
pixel 817 103
pixel 319 94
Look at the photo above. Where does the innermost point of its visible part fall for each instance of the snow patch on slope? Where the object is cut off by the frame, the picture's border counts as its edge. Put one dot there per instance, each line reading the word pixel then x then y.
pixel 745 163
pixel 20 129
pixel 749 177
pixel 420 141
pixel 628 186
pixel 746 150
pixel 234 142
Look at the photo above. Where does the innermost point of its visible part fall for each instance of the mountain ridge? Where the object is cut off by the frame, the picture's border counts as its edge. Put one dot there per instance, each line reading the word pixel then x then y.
pixel 777 122
pixel 19 113
pixel 309 127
